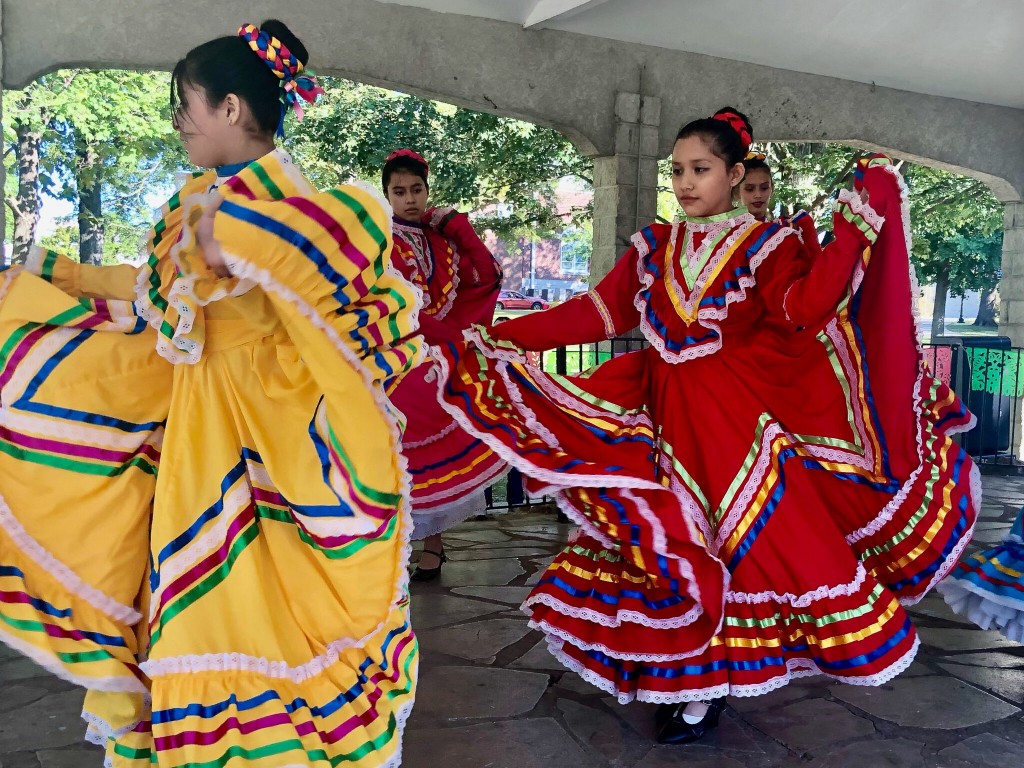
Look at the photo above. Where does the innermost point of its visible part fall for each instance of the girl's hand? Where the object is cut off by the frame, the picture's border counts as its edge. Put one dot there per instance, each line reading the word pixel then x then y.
pixel 212 252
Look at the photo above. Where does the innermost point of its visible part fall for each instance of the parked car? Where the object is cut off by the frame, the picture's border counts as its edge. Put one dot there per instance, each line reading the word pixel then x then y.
pixel 516 300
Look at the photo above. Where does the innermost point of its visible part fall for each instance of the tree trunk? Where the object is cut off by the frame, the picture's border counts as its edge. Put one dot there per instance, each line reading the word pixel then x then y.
pixel 987 307
pixel 939 311
pixel 25 207
pixel 90 208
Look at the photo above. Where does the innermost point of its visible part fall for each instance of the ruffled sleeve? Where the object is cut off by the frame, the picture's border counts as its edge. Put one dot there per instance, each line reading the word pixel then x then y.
pixel 806 290
pixel 477 265
pixel 324 260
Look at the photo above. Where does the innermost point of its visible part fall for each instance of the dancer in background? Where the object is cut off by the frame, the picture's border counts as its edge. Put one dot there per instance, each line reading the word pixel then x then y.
pixel 756 190
pixel 440 253
pixel 988 588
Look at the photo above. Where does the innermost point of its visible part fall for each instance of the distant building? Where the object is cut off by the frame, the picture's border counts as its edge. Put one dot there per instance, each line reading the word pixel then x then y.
pixel 552 268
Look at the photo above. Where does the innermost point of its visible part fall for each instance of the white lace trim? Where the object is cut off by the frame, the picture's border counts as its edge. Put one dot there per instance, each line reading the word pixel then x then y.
pixel 583 522
pixel 99 731
pixel 489 349
pixel 528 415
pixel 435 520
pixel 889 511
pixel 795 669
pixel 746 494
pixel 189 353
pixel 379 197
pixel 785 299
pixel 710 226
pixel 64 575
pixel 861 209
pixel 620 618
pixel 630 418
pixel 551 631
pixel 705 317
pixel 824 592
pixel 693 295
pixel 694 513
pixel 409 445
pixel 126 684
pixel 703 694
pixel 427 502
pixel 954 556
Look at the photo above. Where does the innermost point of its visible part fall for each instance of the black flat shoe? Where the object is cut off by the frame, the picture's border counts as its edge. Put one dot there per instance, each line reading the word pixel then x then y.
pixel 673 729
pixel 429 574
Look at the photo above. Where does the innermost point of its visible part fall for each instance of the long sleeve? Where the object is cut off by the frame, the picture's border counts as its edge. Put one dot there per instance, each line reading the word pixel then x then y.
pixel 478 267
pixel 90 281
pixel 803 223
pixel 324 258
pixel 604 312
pixel 806 290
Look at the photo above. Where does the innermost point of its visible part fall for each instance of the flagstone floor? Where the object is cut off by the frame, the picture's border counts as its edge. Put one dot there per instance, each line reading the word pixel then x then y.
pixel 490 696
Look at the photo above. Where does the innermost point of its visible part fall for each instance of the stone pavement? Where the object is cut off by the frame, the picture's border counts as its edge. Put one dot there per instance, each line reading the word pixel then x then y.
pixel 491 697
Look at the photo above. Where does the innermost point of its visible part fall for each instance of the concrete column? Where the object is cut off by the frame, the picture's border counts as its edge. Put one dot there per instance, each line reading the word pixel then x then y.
pixel 1011 297
pixel 626 182
pixel 1011 287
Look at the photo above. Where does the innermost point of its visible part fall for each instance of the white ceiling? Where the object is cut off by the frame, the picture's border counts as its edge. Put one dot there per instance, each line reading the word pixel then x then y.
pixel 965 49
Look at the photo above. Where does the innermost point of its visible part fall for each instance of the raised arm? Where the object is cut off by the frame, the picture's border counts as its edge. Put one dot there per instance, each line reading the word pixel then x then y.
pixel 602 313
pixel 806 289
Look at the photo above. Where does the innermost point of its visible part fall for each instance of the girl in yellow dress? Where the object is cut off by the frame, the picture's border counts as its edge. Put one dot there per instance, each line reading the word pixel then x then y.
pixel 203 513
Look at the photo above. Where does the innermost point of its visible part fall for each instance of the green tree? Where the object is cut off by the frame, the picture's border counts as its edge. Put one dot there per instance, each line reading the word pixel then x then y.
pixel 115 144
pixel 28 117
pixel 477 160
pixel 101 139
pixel 956 225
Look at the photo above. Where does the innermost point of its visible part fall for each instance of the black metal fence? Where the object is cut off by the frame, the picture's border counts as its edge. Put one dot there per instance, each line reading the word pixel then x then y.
pixel 985 371
pixel 988 374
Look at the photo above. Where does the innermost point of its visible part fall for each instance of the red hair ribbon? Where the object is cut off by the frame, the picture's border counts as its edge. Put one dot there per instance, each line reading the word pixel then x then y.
pixel 411 155
pixel 738 124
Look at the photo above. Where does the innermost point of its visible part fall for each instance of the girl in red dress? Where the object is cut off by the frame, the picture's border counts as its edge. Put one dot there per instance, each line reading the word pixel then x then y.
pixel 761 490
pixel 438 251
pixel 756 191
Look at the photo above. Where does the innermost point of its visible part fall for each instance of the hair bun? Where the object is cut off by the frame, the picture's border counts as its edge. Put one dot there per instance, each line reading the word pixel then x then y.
pixel 739 123
pixel 281 31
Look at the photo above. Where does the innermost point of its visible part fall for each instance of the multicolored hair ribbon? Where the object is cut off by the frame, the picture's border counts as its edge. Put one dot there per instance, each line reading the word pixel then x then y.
pixel 738 124
pixel 412 156
pixel 756 156
pixel 287 67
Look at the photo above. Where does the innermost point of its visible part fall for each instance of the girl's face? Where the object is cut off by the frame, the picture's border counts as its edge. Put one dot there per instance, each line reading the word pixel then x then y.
pixel 208 133
pixel 407 194
pixel 702 182
pixel 756 192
